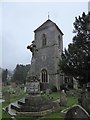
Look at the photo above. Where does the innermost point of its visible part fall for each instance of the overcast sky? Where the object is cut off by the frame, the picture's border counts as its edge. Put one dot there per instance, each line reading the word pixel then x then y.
pixel 20 19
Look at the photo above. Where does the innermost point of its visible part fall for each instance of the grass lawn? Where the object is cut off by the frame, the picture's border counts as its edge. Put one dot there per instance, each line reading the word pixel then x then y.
pixel 25 117
pixel 71 101
pixel 55 95
pixel 5 116
pixel 9 98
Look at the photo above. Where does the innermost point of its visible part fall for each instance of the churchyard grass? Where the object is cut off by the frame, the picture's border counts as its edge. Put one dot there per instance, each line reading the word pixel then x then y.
pixel 53 95
pixel 5 116
pixel 71 100
pixel 25 117
pixel 17 94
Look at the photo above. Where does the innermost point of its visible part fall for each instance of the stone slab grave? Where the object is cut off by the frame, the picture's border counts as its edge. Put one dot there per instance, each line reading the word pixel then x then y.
pixel 10 107
pixel 77 112
pixel 34 105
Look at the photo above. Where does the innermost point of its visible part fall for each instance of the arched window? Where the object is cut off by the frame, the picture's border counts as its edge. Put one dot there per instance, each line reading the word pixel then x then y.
pixel 43 40
pixel 44 76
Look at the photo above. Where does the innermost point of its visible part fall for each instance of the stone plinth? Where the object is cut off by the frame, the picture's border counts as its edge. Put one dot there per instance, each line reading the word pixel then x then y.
pixel 33 87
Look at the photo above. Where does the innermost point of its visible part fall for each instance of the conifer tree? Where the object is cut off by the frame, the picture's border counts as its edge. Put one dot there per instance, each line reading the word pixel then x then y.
pixel 76 59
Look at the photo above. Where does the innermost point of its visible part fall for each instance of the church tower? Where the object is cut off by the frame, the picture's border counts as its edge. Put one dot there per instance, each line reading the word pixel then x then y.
pixel 46 51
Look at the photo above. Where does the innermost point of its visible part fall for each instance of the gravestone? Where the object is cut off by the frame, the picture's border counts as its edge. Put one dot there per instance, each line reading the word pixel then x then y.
pixel 77 112
pixel 75 83
pixel 63 98
pixel 84 99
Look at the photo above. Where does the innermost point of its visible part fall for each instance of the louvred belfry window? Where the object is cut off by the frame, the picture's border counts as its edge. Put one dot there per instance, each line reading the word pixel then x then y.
pixel 44 40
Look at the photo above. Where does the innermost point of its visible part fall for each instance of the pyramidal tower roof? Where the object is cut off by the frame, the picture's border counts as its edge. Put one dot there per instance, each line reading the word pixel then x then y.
pixel 44 25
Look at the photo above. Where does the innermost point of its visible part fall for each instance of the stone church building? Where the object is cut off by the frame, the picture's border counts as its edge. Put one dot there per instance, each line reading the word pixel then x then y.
pixel 46 49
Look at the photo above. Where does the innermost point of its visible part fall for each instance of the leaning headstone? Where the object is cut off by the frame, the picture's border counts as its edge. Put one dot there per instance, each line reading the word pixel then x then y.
pixel 83 100
pixel 63 98
pixel 77 112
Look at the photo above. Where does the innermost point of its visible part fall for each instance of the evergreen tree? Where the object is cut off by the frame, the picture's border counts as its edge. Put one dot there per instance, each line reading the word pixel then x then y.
pixel 4 75
pixel 20 73
pixel 76 59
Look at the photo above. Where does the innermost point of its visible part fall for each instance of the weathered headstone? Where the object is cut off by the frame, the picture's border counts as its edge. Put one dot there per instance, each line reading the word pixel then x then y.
pixel 48 91
pixel 63 98
pixel 83 100
pixel 77 112
pixel 75 84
